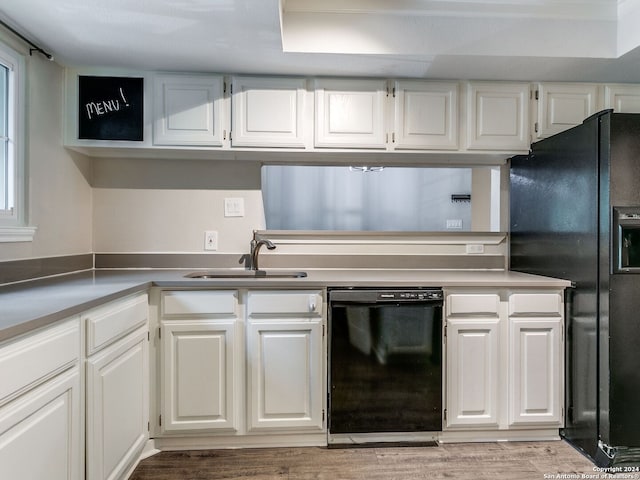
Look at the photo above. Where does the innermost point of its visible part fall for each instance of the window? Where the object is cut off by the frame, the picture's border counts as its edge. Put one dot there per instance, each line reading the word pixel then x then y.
pixel 12 191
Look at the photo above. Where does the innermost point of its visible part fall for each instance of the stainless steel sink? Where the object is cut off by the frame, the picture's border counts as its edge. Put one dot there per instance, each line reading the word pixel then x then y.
pixel 246 274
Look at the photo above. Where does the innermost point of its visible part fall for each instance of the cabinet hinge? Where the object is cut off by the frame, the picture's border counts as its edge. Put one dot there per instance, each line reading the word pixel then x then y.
pixel 393 136
pixel 230 132
pixel 394 92
pixel 148 336
pixel 386 138
pixel 537 94
pixel 159 333
pixel 160 420
pixel 536 127
pixel 224 134
pixel 148 426
pixel 224 87
pixel 323 414
pixel 322 331
pixel 445 415
pixel 445 330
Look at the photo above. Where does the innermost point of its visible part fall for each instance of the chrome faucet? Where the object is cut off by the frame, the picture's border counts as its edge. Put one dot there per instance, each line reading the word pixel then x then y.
pixel 255 250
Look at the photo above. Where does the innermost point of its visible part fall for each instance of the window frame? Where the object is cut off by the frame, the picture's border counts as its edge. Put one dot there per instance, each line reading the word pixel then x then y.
pixel 13 223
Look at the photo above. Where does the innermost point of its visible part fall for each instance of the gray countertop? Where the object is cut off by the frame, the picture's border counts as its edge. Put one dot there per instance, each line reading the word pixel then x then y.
pixel 30 305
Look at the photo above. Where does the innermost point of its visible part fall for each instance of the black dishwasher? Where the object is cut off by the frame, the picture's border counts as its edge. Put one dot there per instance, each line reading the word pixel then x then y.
pixel 385 352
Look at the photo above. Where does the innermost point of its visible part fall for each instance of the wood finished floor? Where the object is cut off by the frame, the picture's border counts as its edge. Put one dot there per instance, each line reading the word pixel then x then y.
pixel 477 461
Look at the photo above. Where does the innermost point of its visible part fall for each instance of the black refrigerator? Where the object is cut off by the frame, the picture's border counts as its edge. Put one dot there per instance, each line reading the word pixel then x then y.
pixel 575 214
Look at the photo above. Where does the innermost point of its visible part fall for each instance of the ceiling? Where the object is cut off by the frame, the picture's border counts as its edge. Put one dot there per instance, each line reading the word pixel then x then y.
pixel 552 40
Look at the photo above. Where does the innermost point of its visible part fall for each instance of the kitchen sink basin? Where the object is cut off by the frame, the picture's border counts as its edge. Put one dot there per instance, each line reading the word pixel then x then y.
pixel 246 274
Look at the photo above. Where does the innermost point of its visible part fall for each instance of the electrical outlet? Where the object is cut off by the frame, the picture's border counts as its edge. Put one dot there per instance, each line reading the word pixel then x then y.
pixel 211 240
pixel 475 248
pixel 234 207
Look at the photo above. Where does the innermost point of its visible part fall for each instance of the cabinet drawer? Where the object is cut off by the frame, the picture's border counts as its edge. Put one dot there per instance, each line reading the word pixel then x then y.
pixel 34 359
pixel 473 304
pixel 301 302
pixel 200 302
pixel 535 303
pixel 112 321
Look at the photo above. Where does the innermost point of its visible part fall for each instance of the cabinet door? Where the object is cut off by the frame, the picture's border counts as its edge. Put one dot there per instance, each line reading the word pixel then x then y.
pixel 40 432
pixel 498 116
pixel 622 98
pixel 198 375
pixel 268 112
pixel 564 105
pixel 350 113
pixel 188 110
pixel 536 392
pixel 285 375
pixel 426 115
pixel 117 406
pixel 472 373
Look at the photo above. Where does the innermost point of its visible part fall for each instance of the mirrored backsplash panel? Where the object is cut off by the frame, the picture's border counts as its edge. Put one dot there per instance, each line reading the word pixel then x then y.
pixel 398 199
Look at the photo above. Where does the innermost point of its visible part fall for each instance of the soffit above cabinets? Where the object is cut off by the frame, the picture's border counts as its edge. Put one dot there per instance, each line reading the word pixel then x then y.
pixel 525 28
pixel 514 40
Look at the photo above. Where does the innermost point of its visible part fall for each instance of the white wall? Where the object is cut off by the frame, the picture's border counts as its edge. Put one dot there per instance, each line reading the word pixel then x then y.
pixel 149 220
pixel 156 205
pixel 59 195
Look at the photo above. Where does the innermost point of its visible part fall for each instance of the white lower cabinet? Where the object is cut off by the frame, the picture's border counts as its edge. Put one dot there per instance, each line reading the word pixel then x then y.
pixel 117 407
pixel 117 386
pixel 285 374
pixel 472 368
pixel 241 362
pixel 504 360
pixel 40 417
pixel 198 375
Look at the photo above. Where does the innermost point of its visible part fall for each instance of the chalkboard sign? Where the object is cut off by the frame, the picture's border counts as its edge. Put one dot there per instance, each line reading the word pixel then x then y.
pixel 110 108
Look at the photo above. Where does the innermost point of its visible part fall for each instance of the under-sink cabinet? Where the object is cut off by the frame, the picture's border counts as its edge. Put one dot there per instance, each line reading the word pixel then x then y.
pixel 504 360
pixel 40 405
pixel 240 363
pixel 199 361
pixel 284 360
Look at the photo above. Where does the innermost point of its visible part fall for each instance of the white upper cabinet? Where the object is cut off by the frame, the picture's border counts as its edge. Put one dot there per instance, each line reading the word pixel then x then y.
pixel 189 110
pixel 564 105
pixel 498 116
pixel 350 113
pixel 622 98
pixel 425 115
pixel 268 112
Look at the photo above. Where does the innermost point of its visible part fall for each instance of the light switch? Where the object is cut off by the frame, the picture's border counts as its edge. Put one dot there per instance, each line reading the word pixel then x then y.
pixel 234 207
pixel 454 224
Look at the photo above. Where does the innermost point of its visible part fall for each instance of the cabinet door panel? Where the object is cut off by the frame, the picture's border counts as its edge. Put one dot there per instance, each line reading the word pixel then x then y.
pixel 426 115
pixel 498 116
pixel 117 406
pixel 40 432
pixel 562 106
pixel 285 374
pixel 350 113
pixel 268 112
pixel 622 98
pixel 188 110
pixel 536 372
pixel 472 372
pixel 198 375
